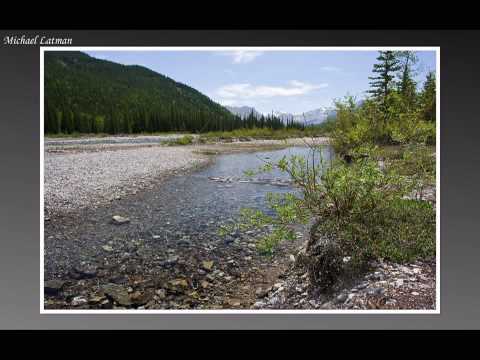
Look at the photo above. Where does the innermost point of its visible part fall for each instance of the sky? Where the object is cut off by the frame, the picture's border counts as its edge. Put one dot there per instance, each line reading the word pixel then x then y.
pixel 285 81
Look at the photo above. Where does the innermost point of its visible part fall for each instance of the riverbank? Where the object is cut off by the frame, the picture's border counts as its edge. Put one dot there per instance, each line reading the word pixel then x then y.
pixel 163 250
pixel 142 238
pixel 91 172
pixel 384 286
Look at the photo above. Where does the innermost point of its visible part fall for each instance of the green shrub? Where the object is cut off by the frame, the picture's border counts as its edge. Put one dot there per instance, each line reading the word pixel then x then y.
pixel 184 140
pixel 260 133
pixel 361 207
pixel 357 126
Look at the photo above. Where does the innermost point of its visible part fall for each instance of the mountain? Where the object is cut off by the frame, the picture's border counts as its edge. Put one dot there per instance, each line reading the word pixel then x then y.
pixel 312 117
pixel 243 111
pixel 89 95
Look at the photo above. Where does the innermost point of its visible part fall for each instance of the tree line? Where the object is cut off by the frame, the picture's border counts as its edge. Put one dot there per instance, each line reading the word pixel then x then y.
pixel 397 110
pixel 88 95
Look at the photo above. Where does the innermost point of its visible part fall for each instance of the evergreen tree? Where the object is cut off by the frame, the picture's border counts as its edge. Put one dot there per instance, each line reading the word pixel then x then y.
pixel 429 98
pixel 407 86
pixel 383 84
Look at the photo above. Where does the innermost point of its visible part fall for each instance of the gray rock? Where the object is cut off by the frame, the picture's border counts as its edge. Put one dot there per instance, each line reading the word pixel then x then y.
pixel 161 293
pixel 259 304
pixel 107 248
pixel 139 298
pixel 228 240
pixel 119 279
pixel 341 298
pixel 53 287
pixel 327 305
pixel 362 286
pixel 119 220
pixel 376 291
pixel 277 286
pixel 184 242
pixel 377 275
pixel 84 271
pixel 260 293
pixel 79 300
pixel 96 299
pixel 117 293
pixel 169 262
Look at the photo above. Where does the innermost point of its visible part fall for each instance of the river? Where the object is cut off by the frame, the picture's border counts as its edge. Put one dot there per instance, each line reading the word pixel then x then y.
pixel 173 229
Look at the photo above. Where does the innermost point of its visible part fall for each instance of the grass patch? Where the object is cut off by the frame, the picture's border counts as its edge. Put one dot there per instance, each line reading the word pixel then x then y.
pixel 259 133
pixel 182 141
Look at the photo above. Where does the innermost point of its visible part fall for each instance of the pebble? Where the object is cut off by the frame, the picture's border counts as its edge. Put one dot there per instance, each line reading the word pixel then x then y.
pixel 161 293
pixel 107 248
pixel 119 220
pixel 79 300
pixel 362 286
pixel 258 304
pixel 99 175
pixel 375 291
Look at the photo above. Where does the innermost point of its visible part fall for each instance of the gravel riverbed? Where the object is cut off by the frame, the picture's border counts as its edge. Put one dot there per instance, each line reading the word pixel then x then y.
pixel 112 242
pixel 93 171
pixel 121 233
pixel 77 179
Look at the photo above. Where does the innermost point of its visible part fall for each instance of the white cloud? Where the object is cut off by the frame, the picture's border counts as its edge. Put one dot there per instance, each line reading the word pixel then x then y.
pixel 243 56
pixel 248 91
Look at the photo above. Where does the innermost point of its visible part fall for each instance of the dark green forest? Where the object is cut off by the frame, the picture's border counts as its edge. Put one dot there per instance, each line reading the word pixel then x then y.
pixel 88 95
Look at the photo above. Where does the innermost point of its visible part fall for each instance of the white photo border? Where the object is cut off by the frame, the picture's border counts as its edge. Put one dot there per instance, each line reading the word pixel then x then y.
pixel 236 48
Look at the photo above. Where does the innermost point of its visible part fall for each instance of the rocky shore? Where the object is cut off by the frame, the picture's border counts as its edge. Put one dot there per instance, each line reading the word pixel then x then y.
pixel 77 179
pixel 119 236
pixel 384 286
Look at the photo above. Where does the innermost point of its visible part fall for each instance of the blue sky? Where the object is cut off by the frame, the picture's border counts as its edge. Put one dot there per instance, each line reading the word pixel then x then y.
pixel 286 81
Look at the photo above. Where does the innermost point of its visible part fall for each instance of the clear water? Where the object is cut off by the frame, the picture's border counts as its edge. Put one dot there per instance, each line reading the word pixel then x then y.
pixel 194 203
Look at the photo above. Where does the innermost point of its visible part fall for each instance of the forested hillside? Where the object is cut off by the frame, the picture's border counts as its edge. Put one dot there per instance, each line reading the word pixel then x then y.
pixel 88 95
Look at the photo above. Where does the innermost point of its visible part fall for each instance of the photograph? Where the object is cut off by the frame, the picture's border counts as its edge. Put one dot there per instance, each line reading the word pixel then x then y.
pixel 239 180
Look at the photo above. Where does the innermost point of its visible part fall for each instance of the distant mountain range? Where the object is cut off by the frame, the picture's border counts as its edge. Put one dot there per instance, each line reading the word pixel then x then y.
pixel 312 117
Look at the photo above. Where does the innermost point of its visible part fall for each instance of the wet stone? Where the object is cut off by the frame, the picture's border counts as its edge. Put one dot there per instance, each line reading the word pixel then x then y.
pixel 117 293
pixel 53 287
pixel 84 271
pixel 79 300
pixel 120 279
pixel 341 298
pixel 184 242
pixel 119 220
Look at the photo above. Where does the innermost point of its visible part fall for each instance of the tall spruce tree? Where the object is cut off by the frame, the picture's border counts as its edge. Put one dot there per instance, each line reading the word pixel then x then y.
pixel 407 85
pixel 428 97
pixel 383 84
